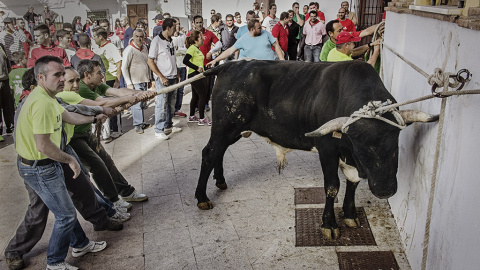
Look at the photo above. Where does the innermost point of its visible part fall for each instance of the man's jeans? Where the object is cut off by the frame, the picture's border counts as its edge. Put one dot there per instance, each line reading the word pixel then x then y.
pixel 165 106
pixel 137 109
pixel 183 77
pixel 49 183
pixel 312 53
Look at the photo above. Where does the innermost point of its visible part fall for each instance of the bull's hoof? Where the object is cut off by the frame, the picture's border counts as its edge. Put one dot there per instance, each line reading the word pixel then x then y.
pixel 352 223
pixel 221 186
pixel 331 234
pixel 205 205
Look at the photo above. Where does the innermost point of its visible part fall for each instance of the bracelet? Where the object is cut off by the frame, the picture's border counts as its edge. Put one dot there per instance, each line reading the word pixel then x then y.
pixel 369 46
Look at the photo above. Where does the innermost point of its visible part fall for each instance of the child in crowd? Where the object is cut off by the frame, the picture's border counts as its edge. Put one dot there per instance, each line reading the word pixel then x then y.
pixel 15 76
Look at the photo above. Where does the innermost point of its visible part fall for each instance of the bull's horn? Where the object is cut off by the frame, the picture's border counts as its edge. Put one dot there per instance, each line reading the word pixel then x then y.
pixel 411 116
pixel 329 127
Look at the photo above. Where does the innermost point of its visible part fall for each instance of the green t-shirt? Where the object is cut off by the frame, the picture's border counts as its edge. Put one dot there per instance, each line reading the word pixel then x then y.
pixel 71 98
pixel 15 77
pixel 336 56
pixel 197 57
pixel 40 114
pixel 327 47
pixel 87 93
pixel 301 27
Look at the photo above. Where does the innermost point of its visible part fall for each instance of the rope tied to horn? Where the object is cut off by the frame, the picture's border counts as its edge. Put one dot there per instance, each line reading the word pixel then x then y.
pixel 371 111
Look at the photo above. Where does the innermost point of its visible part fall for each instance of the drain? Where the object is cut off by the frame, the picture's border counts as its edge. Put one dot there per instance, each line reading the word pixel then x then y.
pixel 367 260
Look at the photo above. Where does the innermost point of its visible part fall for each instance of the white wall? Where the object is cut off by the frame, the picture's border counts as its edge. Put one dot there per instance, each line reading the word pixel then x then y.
pixel 454 234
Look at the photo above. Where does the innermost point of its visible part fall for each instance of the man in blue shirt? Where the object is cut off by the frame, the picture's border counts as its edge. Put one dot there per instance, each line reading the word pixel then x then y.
pixel 244 29
pixel 256 44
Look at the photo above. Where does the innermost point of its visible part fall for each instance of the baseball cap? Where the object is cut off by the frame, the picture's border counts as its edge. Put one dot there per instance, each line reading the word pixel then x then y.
pixel 158 17
pixel 8 20
pixel 345 37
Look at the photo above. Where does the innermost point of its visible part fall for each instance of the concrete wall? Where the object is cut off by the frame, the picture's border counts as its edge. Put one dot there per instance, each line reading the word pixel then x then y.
pixel 454 232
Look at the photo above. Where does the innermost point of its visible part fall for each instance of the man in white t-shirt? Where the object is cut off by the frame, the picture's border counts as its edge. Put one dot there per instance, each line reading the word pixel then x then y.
pixel 163 62
pixel 270 21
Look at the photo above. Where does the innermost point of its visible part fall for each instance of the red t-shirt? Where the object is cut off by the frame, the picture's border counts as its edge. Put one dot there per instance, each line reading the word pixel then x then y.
pixel 320 16
pixel 26 46
pixel 52 50
pixel 347 25
pixel 281 33
pixel 209 38
pixel 72 44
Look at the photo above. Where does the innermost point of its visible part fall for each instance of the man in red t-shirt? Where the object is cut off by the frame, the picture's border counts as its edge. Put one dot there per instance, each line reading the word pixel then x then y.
pixel 29 42
pixel 280 32
pixel 347 24
pixel 320 15
pixel 209 38
pixel 42 37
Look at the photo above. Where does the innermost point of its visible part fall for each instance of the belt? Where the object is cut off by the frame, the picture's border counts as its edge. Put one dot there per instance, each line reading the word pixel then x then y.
pixel 41 162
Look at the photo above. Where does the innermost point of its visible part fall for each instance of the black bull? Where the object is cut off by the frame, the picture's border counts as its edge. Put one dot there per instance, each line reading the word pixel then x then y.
pixel 284 100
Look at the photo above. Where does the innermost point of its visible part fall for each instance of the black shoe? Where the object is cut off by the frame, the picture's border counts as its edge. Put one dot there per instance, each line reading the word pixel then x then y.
pixel 111 225
pixel 15 263
pixel 146 125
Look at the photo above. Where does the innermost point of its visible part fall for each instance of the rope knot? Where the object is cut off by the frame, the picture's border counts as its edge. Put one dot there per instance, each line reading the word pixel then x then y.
pixel 442 79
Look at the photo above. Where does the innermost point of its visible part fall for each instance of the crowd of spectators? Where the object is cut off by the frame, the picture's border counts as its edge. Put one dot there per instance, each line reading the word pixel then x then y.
pixel 92 68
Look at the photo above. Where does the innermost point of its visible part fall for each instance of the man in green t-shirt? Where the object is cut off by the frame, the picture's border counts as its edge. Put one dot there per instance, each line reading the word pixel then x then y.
pixel 16 74
pixel 300 20
pixel 344 47
pixel 38 141
pixel 105 174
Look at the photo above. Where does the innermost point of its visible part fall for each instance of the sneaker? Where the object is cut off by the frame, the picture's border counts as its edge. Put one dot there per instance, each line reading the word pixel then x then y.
pixel 135 197
pixel 112 225
pixel 15 263
pixel 192 119
pixel 1 139
pixel 120 209
pixel 161 136
pixel 146 125
pixel 171 130
pixel 179 114
pixel 138 129
pixel 120 217
pixel 122 204
pixel 91 247
pixel 204 121
pixel 61 266
pixel 107 140
pixel 207 108
pixel 116 134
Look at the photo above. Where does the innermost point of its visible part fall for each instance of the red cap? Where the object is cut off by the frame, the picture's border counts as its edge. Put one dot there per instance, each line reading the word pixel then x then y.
pixel 345 37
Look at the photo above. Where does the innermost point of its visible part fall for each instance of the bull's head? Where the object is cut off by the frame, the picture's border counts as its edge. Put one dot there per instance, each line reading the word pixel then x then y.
pixel 375 147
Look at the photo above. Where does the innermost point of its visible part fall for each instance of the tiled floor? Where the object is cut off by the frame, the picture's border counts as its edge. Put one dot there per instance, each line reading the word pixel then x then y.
pixel 252 224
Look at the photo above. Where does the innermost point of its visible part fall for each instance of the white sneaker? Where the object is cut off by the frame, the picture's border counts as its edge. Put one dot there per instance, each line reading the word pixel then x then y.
pixel 61 266
pixel 123 204
pixel 116 134
pixel 91 247
pixel 120 209
pixel 161 136
pixel 135 197
pixel 120 217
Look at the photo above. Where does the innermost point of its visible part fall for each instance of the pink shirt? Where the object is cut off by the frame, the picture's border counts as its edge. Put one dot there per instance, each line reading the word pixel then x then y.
pixel 314 32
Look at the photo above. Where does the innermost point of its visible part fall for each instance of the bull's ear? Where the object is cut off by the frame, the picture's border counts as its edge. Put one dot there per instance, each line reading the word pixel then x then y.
pixel 412 116
pixel 329 127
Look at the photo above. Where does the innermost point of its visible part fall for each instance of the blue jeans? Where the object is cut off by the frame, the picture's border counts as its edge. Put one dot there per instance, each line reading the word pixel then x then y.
pixel 137 109
pixel 49 183
pixel 165 106
pixel 183 76
pixel 312 53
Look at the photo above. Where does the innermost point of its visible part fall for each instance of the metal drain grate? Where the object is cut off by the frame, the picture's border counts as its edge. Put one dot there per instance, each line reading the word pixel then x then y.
pixel 374 260
pixel 308 233
pixel 313 195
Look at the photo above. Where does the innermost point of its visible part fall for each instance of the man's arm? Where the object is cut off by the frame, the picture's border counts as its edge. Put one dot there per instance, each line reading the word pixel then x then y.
pixel 127 59
pixel 300 21
pixel 278 50
pixel 362 49
pixel 222 56
pixel 373 58
pixel 157 72
pixel 49 149
pixel 119 74
pixel 120 92
pixel 109 102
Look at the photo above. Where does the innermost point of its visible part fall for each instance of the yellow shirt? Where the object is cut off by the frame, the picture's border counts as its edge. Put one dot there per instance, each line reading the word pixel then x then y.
pixel 336 56
pixel 71 98
pixel 197 57
pixel 40 114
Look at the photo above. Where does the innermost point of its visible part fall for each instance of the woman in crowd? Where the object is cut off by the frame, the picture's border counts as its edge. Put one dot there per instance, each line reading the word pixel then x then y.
pixel 51 26
pixel 119 29
pixel 194 61
pixel 258 12
pixel 77 27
